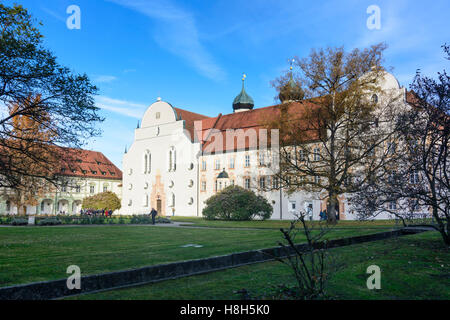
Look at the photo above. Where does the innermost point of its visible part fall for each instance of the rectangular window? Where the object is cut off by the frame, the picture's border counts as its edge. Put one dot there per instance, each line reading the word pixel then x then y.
pixel 203 185
pixel 105 188
pixel 204 165
pixel 316 154
pixel 77 189
pixel 414 177
pixel 247 160
pixel 217 164
pixel 232 163
pixel 247 183
pixel 275 182
pixel 391 146
pixel 232 182
pixel 92 189
pixel 392 205
pixel 301 155
pixel 261 159
pixel 262 183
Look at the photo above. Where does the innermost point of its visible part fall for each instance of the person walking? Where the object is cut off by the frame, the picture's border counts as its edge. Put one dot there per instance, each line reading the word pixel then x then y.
pixel 153 213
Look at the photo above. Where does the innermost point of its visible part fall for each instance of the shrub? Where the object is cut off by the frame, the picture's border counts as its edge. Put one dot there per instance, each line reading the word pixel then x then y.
pixel 105 200
pixel 50 222
pixel 237 203
pixel 19 222
pixel 162 220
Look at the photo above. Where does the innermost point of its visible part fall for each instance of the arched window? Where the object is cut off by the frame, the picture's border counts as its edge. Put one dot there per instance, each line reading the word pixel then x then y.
pixel 147 167
pixel 172 159
pixel 145 200
pixel 173 199
pixel 145 163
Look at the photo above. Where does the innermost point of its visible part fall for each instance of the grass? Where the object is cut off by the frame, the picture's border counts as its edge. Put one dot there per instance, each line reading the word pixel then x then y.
pixel 30 254
pixel 277 224
pixel 412 267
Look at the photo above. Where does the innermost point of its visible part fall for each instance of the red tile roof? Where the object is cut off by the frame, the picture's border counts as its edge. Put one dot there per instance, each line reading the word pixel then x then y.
pixel 253 119
pixel 189 118
pixel 87 164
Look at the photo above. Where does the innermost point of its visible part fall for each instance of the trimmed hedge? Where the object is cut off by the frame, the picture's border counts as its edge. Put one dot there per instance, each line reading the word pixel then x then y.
pixel 80 220
pixel 19 222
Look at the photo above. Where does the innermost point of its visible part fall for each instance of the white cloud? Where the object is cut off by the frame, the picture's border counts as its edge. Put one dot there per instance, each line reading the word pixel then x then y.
pixel 126 108
pixel 54 14
pixel 176 31
pixel 104 79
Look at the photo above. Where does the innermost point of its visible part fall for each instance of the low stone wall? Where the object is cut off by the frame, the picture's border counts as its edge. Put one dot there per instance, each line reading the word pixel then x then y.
pixel 106 281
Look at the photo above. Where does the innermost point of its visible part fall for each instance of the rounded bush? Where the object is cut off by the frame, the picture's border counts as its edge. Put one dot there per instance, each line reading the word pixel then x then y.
pixel 237 203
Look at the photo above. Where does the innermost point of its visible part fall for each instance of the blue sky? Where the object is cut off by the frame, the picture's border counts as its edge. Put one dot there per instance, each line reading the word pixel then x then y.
pixel 193 53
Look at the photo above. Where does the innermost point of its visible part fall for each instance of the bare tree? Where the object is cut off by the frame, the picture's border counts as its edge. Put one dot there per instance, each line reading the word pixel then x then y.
pixel 328 141
pixel 418 179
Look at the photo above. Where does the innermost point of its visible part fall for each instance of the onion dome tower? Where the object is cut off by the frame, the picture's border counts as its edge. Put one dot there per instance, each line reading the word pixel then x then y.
pixel 243 102
pixel 291 91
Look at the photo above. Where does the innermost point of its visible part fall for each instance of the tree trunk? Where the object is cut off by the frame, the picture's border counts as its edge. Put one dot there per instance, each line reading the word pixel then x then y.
pixel 331 210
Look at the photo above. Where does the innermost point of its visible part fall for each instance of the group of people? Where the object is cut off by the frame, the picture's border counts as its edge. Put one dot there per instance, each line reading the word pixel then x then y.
pixel 324 215
pixel 91 212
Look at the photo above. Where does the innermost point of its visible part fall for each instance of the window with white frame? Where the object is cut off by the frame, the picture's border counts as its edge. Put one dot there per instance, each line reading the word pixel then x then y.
pixel 203 185
pixel 204 165
pixel 391 146
pixel 316 154
pixel 275 182
pixel 262 183
pixel 392 205
pixel 247 160
pixel 217 164
pixel 247 183
pixel 231 163
pixel 262 159
pixel 414 177
pixel 91 189
pixel 301 155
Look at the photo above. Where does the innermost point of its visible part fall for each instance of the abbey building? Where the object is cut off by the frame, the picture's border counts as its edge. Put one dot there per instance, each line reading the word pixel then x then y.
pixel 174 164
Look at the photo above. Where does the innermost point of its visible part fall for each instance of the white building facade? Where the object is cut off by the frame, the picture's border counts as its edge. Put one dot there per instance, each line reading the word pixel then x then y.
pixel 171 166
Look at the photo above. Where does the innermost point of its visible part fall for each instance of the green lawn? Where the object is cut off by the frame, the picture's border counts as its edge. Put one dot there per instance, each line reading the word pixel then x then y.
pixel 277 224
pixel 412 267
pixel 29 254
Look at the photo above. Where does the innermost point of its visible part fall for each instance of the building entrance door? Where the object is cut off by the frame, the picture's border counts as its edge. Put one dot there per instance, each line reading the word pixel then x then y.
pixel 159 207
